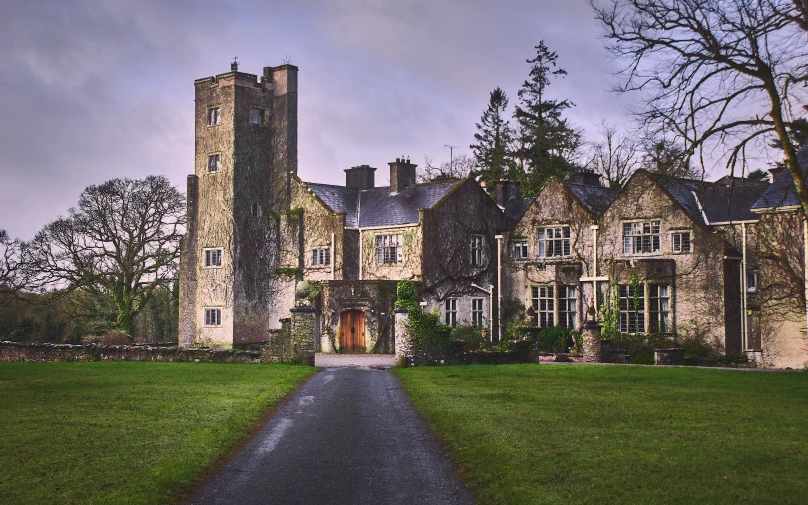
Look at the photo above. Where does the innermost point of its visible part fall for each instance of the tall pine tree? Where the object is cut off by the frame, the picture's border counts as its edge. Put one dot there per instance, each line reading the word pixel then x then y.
pixel 546 139
pixel 491 152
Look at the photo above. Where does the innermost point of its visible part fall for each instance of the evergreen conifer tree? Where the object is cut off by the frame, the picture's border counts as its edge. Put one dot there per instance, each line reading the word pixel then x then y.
pixel 491 152
pixel 546 139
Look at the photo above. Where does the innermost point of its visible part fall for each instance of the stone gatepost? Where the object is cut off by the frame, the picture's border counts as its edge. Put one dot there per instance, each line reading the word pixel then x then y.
pixel 405 350
pixel 303 333
pixel 591 344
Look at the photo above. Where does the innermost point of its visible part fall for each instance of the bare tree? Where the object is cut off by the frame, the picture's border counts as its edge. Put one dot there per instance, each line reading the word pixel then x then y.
pixel 11 278
pixel 121 240
pixel 719 73
pixel 615 156
pixel 458 168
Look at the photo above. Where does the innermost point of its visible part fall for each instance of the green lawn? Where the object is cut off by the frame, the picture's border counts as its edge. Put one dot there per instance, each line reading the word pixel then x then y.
pixel 607 434
pixel 111 433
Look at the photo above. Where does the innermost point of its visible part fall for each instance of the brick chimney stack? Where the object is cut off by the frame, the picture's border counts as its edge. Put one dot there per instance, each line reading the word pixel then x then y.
pixel 586 177
pixel 505 191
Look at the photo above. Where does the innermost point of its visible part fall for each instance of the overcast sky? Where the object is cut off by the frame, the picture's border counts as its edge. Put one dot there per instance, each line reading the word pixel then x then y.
pixel 92 89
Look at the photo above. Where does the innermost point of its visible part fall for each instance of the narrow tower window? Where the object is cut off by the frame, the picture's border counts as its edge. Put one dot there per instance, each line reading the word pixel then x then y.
pixel 257 116
pixel 256 210
pixel 214 116
pixel 214 163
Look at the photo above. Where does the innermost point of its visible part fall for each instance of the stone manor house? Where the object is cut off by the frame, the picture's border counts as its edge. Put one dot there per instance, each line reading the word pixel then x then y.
pixel 712 259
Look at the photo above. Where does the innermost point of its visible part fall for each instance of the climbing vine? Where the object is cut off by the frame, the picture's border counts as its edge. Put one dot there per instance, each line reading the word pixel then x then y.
pixel 430 337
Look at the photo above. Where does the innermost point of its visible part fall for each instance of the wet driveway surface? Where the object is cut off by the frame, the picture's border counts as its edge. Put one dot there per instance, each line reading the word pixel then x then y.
pixel 349 435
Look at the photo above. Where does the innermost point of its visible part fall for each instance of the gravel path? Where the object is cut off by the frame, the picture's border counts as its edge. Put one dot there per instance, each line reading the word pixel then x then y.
pixel 349 435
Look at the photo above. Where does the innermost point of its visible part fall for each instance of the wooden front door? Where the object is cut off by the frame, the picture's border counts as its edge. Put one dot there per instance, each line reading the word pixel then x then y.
pixel 352 331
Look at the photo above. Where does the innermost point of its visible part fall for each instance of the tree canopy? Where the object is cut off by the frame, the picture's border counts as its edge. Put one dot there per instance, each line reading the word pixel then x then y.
pixel 121 240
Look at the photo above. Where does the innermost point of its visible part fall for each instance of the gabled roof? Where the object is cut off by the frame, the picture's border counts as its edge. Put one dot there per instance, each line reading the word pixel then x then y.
pixel 731 200
pixel 596 199
pixel 781 192
pixel 515 208
pixel 683 192
pixel 378 206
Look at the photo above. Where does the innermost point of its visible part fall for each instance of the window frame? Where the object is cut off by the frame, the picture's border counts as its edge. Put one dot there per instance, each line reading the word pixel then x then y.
pixel 262 116
pixel 450 312
pixel 681 234
pixel 477 243
pixel 755 285
pixel 544 313
pixel 320 256
pixel 218 158
pixel 629 320
pixel 522 246
pixel 639 239
pixel 478 318
pixel 659 317
pixel 208 256
pixel 561 240
pixel 391 245
pixel 209 116
pixel 212 322
pixel 567 305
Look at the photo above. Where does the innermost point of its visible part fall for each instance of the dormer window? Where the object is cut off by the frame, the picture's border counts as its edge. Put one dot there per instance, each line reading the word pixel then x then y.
pixel 641 237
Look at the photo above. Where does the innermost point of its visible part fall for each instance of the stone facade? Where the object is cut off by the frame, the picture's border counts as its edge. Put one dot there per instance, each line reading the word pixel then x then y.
pixel 667 251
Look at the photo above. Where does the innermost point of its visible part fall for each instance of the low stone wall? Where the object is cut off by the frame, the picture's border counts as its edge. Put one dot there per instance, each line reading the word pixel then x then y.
pixel 39 352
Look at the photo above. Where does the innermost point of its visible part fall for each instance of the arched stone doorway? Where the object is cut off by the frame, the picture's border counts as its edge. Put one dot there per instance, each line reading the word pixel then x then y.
pixel 352 331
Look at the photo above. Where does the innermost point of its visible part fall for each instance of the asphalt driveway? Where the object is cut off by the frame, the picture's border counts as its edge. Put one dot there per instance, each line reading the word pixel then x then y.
pixel 349 435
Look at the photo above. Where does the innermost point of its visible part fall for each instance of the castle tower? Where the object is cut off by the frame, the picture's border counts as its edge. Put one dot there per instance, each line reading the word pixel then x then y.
pixel 246 147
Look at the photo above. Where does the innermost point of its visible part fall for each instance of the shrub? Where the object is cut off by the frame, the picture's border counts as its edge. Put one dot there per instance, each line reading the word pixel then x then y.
pixel 555 339
pixel 115 338
pixel 472 335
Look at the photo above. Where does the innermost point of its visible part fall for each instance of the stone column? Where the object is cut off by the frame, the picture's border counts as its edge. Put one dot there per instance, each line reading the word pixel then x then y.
pixel 401 337
pixel 591 336
pixel 303 333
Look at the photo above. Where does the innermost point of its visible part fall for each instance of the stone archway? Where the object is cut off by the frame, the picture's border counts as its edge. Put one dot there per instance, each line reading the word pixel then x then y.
pixel 352 331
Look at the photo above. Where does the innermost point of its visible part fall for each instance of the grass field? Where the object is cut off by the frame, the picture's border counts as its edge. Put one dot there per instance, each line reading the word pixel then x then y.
pixel 128 433
pixel 603 434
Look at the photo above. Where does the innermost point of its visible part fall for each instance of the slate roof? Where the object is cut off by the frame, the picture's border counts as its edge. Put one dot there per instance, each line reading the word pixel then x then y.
pixel 724 202
pixel 781 193
pixel 595 198
pixel 727 199
pixel 379 207
pixel 515 207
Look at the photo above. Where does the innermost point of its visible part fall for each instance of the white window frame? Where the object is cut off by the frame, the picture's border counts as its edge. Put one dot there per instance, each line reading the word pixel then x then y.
pixel 542 298
pixel 261 116
pixel 214 117
pixel 210 255
pixel 217 164
pixel 627 314
pixel 388 249
pixel 212 317
pixel 554 241
pixel 478 312
pixel 678 242
pixel 659 296
pixel 450 312
pixel 635 234
pixel 567 305
pixel 321 256
pixel 477 248
pixel 520 251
